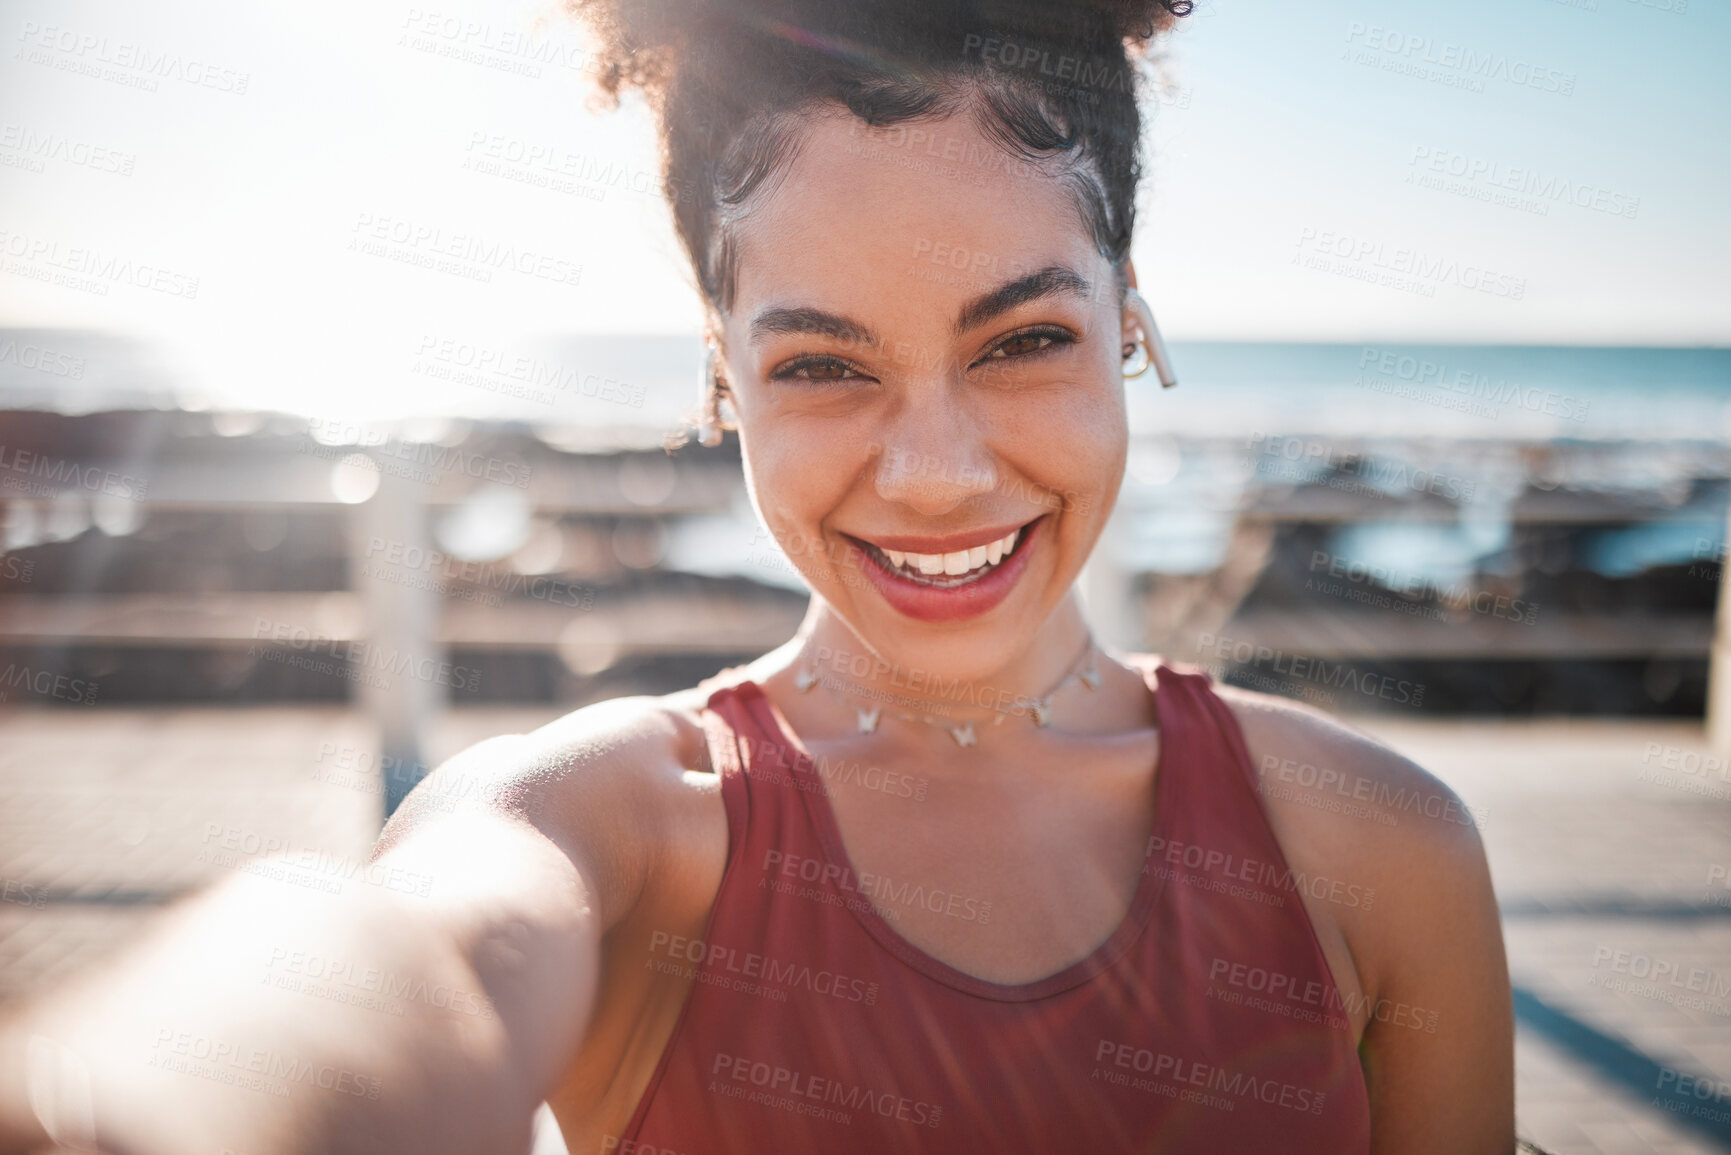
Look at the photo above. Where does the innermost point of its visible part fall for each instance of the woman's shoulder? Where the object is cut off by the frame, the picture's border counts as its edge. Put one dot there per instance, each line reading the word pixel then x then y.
pixel 622 783
pixel 647 746
pixel 637 730
pixel 1306 758
pixel 1297 749
pixel 1315 770
pixel 1348 808
pixel 650 738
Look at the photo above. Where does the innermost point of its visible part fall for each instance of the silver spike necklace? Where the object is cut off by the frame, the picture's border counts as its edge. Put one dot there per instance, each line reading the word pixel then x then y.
pixel 1084 669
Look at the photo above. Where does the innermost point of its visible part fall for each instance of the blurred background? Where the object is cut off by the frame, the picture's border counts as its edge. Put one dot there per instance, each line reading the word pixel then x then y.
pixel 338 347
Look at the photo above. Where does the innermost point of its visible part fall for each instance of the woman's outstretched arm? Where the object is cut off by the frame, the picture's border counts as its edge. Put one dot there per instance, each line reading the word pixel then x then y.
pixel 428 1005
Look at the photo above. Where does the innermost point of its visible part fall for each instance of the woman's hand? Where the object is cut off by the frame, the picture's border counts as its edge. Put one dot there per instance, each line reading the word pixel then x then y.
pixel 264 1016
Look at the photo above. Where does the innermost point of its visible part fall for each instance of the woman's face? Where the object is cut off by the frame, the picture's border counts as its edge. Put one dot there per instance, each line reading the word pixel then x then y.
pixel 924 354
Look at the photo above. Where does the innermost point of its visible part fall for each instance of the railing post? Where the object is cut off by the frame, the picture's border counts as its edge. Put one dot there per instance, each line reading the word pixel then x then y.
pixel 401 629
pixel 1719 664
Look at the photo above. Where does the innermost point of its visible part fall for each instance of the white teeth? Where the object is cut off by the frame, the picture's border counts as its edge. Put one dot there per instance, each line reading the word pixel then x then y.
pixel 957 563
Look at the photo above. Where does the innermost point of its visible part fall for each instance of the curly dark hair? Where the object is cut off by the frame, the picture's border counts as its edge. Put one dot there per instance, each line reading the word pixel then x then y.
pixel 1050 82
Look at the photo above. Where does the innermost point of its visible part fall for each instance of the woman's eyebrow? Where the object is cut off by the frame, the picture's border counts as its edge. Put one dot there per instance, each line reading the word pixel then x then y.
pixel 1040 283
pixel 808 320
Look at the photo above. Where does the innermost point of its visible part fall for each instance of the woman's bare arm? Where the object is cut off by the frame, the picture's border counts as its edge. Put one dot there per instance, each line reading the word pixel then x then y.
pixel 427 1006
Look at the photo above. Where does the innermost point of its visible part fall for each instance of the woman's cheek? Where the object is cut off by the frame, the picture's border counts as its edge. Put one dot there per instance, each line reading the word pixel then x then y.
pixel 791 487
pixel 1080 443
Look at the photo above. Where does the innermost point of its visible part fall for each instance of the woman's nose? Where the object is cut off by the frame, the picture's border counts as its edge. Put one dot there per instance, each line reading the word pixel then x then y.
pixel 933 466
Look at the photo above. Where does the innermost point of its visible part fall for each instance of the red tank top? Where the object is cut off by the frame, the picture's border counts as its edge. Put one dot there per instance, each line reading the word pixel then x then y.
pixel 1207 1022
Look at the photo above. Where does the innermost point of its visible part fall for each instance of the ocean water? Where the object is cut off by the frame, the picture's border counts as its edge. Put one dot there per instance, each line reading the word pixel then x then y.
pixel 631 388
pixel 1470 392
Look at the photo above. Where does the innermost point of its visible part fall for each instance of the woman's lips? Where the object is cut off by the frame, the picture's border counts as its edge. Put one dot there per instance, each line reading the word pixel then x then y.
pixel 947 597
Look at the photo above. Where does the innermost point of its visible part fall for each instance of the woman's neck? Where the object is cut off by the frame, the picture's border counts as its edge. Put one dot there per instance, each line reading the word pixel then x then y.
pixel 952 683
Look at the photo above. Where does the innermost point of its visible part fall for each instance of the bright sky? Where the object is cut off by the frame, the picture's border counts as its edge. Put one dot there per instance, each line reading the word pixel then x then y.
pixel 1532 171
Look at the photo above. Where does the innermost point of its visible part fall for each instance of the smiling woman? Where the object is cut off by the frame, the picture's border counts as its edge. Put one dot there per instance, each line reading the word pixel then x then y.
pixel 911 223
pixel 940 873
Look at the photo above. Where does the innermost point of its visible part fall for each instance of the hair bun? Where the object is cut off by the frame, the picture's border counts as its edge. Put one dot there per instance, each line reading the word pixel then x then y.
pixel 637 42
pixel 1046 80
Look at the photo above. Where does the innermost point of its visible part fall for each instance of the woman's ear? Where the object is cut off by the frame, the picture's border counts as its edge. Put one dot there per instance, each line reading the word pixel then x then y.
pixel 722 403
pixel 714 329
pixel 715 351
pixel 1132 328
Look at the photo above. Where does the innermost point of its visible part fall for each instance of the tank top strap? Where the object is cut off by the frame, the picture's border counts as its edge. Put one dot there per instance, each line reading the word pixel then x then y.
pixel 722 741
pixel 1194 717
pixel 1216 819
pixel 768 824
pixel 1203 753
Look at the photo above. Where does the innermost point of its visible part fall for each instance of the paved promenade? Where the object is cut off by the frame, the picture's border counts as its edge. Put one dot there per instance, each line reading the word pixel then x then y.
pixel 1610 843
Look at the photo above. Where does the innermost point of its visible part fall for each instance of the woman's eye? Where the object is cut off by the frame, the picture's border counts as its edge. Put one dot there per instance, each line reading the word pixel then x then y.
pixel 822 369
pixel 1026 343
pixel 1022 344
